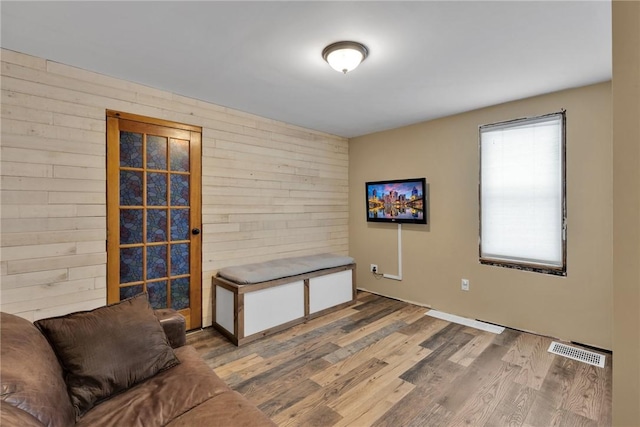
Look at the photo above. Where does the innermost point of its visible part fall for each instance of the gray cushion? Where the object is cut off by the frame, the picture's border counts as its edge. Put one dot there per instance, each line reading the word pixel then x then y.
pixel 279 268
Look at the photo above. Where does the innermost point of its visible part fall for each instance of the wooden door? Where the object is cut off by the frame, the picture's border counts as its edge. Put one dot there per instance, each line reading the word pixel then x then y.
pixel 154 213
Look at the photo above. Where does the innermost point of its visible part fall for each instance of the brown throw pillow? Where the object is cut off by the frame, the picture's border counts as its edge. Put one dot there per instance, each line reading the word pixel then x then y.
pixel 107 350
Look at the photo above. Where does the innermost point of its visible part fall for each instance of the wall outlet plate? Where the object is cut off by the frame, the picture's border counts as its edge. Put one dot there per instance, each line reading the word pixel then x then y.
pixel 373 268
pixel 465 284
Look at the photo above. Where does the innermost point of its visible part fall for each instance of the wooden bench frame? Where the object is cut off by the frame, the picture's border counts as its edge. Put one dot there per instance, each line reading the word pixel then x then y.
pixel 237 336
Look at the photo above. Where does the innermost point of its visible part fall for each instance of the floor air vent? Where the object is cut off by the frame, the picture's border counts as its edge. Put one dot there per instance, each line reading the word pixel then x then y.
pixel 578 354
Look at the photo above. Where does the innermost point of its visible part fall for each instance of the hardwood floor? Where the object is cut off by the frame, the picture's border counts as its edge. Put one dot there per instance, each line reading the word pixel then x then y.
pixel 383 362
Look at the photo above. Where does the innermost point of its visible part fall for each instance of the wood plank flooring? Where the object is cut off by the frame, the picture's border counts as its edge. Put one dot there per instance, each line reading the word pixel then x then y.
pixel 383 362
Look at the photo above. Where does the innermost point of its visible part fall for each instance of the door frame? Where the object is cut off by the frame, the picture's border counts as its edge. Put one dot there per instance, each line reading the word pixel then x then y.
pixel 194 316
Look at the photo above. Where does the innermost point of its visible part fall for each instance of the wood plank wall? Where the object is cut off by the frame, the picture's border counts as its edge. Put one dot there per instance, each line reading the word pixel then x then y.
pixel 270 190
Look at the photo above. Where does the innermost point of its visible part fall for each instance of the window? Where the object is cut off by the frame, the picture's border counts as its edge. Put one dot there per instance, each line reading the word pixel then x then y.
pixel 522 194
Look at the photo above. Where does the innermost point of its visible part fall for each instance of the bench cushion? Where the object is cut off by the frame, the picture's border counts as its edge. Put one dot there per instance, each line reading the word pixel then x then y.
pixel 279 268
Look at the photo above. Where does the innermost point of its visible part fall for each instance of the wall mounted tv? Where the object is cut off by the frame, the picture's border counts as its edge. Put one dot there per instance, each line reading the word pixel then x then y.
pixel 397 201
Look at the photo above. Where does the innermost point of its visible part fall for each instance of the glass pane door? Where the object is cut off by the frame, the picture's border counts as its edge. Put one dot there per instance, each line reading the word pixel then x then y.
pixel 156 239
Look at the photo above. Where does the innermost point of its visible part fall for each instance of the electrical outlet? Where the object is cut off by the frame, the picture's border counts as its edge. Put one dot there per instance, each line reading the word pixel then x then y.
pixel 374 268
pixel 465 284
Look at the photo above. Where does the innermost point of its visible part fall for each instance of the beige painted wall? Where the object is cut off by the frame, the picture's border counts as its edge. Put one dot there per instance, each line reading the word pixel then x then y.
pixel 437 256
pixel 269 190
pixel 626 213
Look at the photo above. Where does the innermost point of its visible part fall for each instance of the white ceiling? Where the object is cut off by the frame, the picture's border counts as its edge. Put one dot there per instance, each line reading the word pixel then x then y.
pixel 427 59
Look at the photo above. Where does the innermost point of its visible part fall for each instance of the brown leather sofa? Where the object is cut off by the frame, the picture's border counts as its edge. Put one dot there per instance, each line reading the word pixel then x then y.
pixel 37 371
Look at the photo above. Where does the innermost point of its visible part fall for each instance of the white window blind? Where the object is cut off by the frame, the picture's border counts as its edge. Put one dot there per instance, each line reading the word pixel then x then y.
pixel 522 191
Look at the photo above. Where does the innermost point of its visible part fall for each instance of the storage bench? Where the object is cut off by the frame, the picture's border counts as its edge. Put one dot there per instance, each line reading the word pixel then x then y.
pixel 256 300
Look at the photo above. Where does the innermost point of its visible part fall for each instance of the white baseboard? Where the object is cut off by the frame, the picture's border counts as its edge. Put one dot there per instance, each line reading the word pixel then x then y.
pixel 488 327
pixel 419 304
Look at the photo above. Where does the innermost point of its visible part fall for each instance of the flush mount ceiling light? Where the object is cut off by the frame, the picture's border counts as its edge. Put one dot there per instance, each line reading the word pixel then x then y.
pixel 345 56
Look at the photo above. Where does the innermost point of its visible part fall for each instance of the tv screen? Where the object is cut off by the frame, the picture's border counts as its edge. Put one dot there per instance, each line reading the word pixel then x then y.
pixel 398 201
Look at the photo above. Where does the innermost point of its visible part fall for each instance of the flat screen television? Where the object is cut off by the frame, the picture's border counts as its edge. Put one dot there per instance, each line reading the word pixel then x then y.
pixel 401 201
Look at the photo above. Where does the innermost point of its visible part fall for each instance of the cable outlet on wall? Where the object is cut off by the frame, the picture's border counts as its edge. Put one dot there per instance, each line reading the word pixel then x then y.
pixel 465 284
pixel 374 268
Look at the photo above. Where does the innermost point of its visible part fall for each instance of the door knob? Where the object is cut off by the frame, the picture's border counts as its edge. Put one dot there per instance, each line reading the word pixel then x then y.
pixel 195 231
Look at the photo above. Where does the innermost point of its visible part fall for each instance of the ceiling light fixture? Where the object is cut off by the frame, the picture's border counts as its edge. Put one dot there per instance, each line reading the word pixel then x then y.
pixel 345 56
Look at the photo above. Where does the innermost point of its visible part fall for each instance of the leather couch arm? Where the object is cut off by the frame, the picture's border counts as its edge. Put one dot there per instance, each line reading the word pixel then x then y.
pixel 174 326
